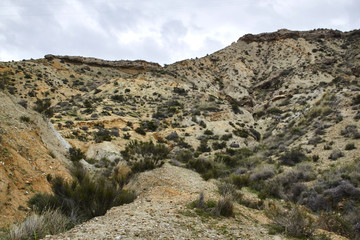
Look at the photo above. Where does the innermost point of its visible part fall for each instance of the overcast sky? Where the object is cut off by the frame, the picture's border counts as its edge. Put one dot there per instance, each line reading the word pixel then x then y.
pixel 162 31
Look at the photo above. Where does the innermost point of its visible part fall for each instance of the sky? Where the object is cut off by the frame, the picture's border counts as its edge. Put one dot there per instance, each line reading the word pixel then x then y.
pixel 162 31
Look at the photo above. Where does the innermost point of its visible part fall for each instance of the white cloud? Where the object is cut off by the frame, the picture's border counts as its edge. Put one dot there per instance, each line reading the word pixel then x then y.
pixel 158 30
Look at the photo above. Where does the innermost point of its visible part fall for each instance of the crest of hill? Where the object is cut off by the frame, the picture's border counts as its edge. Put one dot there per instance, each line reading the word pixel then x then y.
pixel 308 35
pixel 121 64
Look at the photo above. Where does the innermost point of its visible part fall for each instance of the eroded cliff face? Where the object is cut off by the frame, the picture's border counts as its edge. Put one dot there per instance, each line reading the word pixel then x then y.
pixel 269 93
pixel 30 150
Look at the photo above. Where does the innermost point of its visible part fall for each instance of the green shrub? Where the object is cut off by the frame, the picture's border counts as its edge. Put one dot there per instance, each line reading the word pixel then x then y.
pixel 140 131
pixel 269 189
pixel 4 80
pixel 76 154
pixel 255 134
pixel 117 98
pixel 333 222
pixel 207 168
pixel 274 111
pixel 262 173
pixel 243 133
pixel 350 146
pixel 184 156
pixel 225 207
pixel 292 157
pixel 204 146
pixel 229 189
pixel 200 165
pixel 240 180
pixel 217 145
pixel 43 106
pixel 356 100
pixel 226 137
pixel 83 198
pixel 25 119
pixel 144 156
pixel 294 222
pixel 102 134
pixel 208 132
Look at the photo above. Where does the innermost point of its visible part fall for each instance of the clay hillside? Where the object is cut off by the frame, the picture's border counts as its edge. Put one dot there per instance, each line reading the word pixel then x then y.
pixel 259 140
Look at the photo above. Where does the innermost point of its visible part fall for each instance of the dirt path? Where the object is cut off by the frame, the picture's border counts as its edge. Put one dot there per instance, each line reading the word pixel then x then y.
pixel 160 212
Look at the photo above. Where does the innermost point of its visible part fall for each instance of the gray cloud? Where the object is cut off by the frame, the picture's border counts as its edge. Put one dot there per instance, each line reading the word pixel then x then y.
pixel 160 31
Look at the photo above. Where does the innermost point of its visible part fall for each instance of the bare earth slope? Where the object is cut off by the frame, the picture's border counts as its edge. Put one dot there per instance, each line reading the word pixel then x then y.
pixel 29 151
pixel 160 212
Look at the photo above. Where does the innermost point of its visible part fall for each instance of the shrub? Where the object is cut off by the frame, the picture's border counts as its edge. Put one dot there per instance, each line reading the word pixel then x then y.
pixel 262 173
pixel 271 188
pixel 83 198
pixel 204 146
pixel 274 111
pixel 102 135
pixel 200 165
pixel 243 133
pixel 208 132
pixel 314 201
pixel 43 106
pixel 350 131
pixel 149 125
pixel 255 134
pixel 144 156
pixel 336 154
pixel 229 189
pixel 226 137
pixel 350 146
pixel 38 226
pixel 140 131
pixel 23 103
pixel 294 222
pixel 240 180
pixel 356 100
pixel 224 207
pixel 217 145
pixel 292 157
pixel 76 154
pixel 117 98
pixel 343 190
pixel 4 80
pixel 25 119
pixel 183 156
pixel 333 222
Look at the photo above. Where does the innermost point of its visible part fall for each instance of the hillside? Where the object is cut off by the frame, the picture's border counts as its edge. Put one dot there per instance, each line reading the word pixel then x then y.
pixel 273 115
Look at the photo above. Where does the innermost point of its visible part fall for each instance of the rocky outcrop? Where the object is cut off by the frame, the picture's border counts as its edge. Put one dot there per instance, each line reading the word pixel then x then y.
pixel 308 35
pixel 121 64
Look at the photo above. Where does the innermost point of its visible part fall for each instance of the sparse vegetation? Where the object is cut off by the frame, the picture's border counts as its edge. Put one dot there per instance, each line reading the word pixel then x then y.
pixel 44 106
pixel 265 129
pixel 25 119
pixel 144 156
pixel 36 226
pixel 83 198
pixel 294 222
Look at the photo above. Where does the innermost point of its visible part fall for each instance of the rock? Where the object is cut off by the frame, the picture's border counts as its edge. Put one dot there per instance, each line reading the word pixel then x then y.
pixel 201 137
pixel 103 150
pixel 124 64
pixel 234 145
pixel 172 136
pixel 125 129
